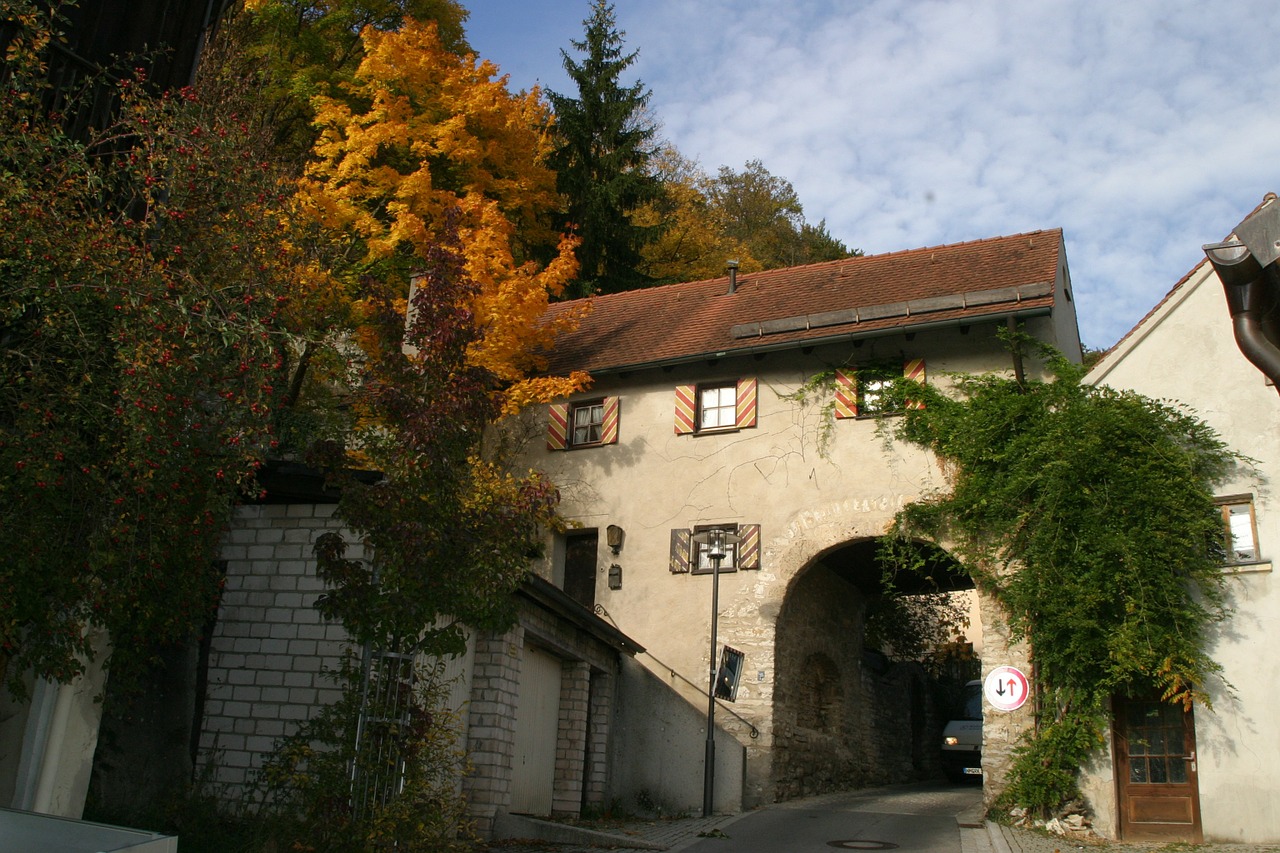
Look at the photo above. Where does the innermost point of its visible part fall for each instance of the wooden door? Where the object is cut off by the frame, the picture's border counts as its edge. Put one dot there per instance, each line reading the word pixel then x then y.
pixel 1155 754
pixel 537 721
pixel 580 556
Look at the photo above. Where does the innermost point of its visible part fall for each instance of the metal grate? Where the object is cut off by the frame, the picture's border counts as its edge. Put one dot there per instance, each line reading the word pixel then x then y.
pixel 386 705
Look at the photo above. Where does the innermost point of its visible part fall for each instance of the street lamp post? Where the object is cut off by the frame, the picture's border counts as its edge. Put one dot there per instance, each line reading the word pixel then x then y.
pixel 717 542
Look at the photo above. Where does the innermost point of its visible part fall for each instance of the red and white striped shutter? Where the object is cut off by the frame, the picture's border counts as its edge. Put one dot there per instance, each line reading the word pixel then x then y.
pixel 748 546
pixel 914 370
pixel 686 409
pixel 846 394
pixel 558 426
pixel 746 410
pixel 681 550
pixel 609 422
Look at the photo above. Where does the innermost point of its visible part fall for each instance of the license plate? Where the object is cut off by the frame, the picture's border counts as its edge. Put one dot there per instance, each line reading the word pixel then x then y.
pixel 973 771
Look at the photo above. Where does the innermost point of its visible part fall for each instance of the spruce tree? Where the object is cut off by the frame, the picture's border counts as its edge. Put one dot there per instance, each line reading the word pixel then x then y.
pixel 606 143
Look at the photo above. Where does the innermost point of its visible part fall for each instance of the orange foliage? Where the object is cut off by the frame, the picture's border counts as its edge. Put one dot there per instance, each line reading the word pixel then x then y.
pixel 424 134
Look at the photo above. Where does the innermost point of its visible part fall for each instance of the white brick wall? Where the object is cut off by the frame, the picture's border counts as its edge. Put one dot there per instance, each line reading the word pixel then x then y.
pixel 270 645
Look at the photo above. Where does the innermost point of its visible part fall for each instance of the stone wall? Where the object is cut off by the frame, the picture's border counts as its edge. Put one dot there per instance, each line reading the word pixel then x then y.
pixel 1001 730
pixel 845 717
pixel 270 650
pixel 270 647
pixel 904 737
pixel 820 717
pixel 491 724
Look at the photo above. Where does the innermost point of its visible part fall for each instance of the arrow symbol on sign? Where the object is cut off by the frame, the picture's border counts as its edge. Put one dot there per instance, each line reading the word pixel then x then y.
pixel 999 687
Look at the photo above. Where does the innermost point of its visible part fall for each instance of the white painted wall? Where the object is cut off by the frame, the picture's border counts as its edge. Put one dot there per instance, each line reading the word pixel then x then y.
pixel 1185 351
pixel 47 742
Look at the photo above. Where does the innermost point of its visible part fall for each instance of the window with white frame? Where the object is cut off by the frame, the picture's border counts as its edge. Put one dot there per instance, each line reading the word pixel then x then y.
pixel 717 406
pixel 869 391
pixel 874 385
pixel 585 423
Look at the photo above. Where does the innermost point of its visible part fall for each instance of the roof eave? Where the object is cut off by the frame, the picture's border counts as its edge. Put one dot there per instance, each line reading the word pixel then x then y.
pixel 840 337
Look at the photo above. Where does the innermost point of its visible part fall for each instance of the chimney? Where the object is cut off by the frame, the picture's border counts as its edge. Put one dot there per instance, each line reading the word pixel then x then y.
pixel 733 275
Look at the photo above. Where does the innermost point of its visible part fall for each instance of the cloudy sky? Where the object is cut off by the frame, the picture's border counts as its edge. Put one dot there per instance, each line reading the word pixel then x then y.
pixel 1143 129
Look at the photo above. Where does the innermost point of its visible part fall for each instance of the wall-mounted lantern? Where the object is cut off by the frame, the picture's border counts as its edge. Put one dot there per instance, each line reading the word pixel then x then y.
pixel 613 536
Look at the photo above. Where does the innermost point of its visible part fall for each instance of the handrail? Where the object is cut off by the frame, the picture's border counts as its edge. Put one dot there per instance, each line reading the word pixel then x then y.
pixel 754 733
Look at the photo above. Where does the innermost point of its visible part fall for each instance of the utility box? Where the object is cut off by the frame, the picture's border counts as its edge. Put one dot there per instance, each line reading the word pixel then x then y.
pixel 28 832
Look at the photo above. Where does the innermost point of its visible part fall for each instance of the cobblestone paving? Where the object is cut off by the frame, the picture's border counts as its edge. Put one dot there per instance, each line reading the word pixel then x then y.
pixel 1007 839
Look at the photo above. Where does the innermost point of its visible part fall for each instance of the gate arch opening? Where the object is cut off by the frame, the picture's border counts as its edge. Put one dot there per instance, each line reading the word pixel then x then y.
pixel 853 709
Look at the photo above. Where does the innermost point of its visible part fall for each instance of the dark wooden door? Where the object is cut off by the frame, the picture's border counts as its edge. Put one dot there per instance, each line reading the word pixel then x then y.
pixel 580 567
pixel 1155 753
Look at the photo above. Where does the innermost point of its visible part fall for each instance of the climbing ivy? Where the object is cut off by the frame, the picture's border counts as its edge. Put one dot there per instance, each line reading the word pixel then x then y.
pixel 1088 514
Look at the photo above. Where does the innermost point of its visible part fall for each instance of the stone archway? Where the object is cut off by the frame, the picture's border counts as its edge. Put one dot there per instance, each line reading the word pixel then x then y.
pixel 816 700
pixel 846 716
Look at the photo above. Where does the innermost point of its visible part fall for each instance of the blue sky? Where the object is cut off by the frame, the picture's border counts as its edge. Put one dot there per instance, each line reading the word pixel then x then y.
pixel 1142 129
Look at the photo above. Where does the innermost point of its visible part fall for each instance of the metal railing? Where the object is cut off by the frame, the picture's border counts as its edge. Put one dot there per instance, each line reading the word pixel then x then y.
pixel 388 682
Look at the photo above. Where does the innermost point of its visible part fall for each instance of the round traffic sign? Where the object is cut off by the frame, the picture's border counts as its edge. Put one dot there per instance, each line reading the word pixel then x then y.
pixel 1006 688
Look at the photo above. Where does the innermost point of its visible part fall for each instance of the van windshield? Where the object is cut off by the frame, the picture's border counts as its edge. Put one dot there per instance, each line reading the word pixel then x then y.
pixel 972 702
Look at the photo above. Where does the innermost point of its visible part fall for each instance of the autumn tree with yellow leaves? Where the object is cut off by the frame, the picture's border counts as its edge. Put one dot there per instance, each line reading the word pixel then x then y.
pixel 429 199
pixel 420 135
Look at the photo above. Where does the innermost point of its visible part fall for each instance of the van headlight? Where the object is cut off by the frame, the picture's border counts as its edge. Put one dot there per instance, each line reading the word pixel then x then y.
pixel 951 740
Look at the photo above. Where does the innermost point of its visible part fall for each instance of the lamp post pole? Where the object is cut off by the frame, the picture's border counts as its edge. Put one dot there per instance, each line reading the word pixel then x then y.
pixel 709 760
pixel 717 542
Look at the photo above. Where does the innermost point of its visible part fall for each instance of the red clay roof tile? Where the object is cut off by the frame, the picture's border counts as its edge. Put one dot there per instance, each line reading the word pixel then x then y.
pixel 799 305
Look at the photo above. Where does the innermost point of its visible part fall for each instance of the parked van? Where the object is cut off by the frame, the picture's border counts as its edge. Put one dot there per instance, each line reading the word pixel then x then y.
pixel 962 737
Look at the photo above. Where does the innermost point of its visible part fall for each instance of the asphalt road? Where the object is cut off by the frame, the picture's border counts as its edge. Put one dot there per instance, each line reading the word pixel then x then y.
pixel 915 817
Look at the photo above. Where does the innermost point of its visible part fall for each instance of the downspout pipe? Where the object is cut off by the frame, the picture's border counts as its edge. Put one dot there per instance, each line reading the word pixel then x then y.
pixel 1253 299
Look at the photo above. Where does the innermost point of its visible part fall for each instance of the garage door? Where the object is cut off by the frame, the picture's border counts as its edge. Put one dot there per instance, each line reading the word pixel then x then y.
pixel 537 722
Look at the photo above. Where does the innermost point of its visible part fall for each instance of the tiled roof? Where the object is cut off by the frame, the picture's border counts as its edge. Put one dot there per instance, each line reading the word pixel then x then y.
pixel 797 306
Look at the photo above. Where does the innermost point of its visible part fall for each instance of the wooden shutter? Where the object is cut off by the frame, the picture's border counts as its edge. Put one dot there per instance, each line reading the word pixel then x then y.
pixel 748 546
pixel 686 409
pixel 745 415
pixel 558 426
pixel 846 394
pixel 914 370
pixel 681 550
pixel 609 423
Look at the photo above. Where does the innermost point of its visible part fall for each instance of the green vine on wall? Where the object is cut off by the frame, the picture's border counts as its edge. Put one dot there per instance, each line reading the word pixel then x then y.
pixel 1088 514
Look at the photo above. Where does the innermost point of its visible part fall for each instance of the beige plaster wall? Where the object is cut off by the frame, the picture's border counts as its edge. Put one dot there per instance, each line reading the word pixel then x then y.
pixel 808 500
pixel 1186 352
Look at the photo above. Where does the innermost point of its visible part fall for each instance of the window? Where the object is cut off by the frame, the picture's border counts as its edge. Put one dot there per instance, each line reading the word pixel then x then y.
pixel 690 557
pixel 865 392
pixel 716 407
pixel 590 423
pixel 873 392
pixel 587 422
pixel 1239 530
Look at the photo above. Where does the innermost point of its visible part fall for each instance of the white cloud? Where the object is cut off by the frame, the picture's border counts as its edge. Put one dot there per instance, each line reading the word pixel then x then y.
pixel 1143 129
